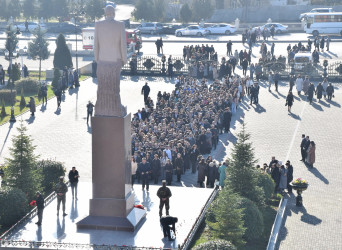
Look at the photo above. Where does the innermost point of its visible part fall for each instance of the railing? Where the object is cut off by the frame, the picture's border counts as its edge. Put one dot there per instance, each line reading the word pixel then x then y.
pixel 58 245
pixel 187 242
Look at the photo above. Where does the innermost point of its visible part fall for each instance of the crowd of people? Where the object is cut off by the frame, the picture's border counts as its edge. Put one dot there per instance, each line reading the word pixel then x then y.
pixel 185 124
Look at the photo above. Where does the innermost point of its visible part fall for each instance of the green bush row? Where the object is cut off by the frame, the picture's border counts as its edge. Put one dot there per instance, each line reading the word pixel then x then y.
pixel 8 96
pixel 29 85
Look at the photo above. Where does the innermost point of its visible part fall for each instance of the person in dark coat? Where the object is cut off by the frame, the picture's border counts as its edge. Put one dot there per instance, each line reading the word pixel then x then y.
pixel 227 117
pixel 144 169
pixel 193 158
pixel 166 222
pixel 170 69
pixel 289 101
pixel 201 172
pixel 179 166
pixel 212 174
pixel 289 176
pixel 311 91
pixel 73 179
pixel 322 44
pixel 276 80
pixel 168 172
pixel 90 108
pixel 292 82
pixel 275 174
pixel 76 79
pixel 164 194
pixel 155 165
pixel 229 48
pixel 302 148
pixel 145 91
pixel 40 207
pixel 330 91
pixel 244 65
pixel 32 105
pixel 319 91
pixel 43 91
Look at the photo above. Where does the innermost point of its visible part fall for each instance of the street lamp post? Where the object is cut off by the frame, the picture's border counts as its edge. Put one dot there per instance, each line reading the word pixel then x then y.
pixel 77 13
pixel 10 57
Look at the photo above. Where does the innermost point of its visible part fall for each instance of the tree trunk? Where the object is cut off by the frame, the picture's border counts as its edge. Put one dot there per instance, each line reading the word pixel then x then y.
pixel 40 65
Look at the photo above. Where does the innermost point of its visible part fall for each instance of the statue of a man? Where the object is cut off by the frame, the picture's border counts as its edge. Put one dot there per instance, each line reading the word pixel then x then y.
pixel 110 50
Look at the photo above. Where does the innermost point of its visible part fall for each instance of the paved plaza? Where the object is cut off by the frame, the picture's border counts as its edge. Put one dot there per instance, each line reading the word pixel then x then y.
pixel 65 136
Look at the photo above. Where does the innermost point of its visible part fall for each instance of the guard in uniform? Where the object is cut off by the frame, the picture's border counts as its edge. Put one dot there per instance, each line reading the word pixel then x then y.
pixel 61 189
pixel 164 193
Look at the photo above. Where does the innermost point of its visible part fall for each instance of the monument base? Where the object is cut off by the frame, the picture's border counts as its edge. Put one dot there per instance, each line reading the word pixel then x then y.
pixel 130 223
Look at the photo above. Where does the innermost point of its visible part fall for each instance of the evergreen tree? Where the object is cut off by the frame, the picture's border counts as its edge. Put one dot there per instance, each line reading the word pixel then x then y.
pixel 185 13
pixel 226 220
pixel 29 9
pixel 144 9
pixel 242 177
pixel 22 99
pixel 202 9
pixel 94 9
pixel 62 56
pixel 60 8
pixel 11 44
pixel 3 110
pixel 38 49
pixel 21 171
pixel 159 9
pixel 15 73
pixel 45 9
pixel 14 8
pixel 3 9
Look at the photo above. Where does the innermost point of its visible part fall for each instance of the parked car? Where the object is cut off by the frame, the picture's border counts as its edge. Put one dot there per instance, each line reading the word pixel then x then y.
pixel 171 29
pixel 150 28
pixel 222 28
pixel 31 26
pixel 279 28
pixel 192 30
pixel 316 10
pixel 66 27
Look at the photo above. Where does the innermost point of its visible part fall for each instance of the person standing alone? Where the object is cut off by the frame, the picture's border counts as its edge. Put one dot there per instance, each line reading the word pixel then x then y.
pixel 73 179
pixel 90 108
pixel 40 208
pixel 61 190
pixel 145 91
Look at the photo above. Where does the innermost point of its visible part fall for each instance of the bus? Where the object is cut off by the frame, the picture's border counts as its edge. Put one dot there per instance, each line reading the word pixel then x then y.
pixel 131 36
pixel 323 23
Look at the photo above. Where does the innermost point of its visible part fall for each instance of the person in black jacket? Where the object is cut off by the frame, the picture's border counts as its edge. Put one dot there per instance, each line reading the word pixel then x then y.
pixel 302 148
pixel 275 174
pixel 40 207
pixel 168 172
pixel 289 176
pixel 166 222
pixel 193 158
pixel 164 194
pixel 179 166
pixel 73 179
pixel 227 117
pixel 155 165
pixel 145 91
pixel 144 169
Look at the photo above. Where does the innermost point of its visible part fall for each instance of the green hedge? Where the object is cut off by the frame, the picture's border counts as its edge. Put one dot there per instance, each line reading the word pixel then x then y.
pixel 13 205
pixel 253 220
pixel 7 96
pixel 50 171
pixel 29 85
pixel 215 245
pixel 266 182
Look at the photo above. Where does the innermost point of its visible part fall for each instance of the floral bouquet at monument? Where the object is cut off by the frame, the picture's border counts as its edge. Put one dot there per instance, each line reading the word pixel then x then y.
pixel 33 203
pixel 300 182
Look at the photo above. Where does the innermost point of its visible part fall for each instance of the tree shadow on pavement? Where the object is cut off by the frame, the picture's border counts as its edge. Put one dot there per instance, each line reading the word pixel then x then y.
pixel 8 132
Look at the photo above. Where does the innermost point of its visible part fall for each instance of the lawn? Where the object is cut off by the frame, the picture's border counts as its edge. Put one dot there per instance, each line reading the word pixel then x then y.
pixel 18 110
pixel 269 213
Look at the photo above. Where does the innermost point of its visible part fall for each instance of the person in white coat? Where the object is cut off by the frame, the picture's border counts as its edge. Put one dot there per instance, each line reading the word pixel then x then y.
pixel 299 84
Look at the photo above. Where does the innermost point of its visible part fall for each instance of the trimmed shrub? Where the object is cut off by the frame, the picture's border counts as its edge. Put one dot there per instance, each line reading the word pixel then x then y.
pixel 22 99
pixel 215 245
pixel 50 171
pixel 7 96
pixel 13 205
pixel 253 219
pixel 266 182
pixel 29 85
pixel 3 110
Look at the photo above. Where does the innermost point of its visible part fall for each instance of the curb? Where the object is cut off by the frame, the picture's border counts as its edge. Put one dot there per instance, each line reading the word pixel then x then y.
pixel 215 41
pixel 277 224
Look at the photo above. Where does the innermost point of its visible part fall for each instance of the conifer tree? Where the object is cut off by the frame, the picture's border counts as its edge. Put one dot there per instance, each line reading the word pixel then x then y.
pixel 62 56
pixel 3 110
pixel 21 171
pixel 242 177
pixel 38 49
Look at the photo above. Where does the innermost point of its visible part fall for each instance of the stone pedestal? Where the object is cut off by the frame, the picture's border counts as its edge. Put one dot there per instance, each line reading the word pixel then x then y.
pixel 113 200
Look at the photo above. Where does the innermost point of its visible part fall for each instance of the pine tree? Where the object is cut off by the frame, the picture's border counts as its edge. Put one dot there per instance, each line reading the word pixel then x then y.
pixel 202 9
pixel 29 9
pixel 21 171
pixel 45 9
pixel 38 49
pixel 3 110
pixel 185 13
pixel 62 56
pixel 242 177
pixel 22 99
pixel 60 8
pixel 226 221
pixel 14 8
pixel 11 44
pixel 144 9
pixel 94 9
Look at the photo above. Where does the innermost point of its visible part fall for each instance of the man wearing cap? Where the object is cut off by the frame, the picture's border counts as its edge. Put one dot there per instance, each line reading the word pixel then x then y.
pixel 73 179
pixel 61 189
pixel 40 207
pixel 164 193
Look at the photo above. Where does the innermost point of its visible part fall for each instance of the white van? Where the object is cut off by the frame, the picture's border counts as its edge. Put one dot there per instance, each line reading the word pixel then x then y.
pixel 316 10
pixel 302 59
